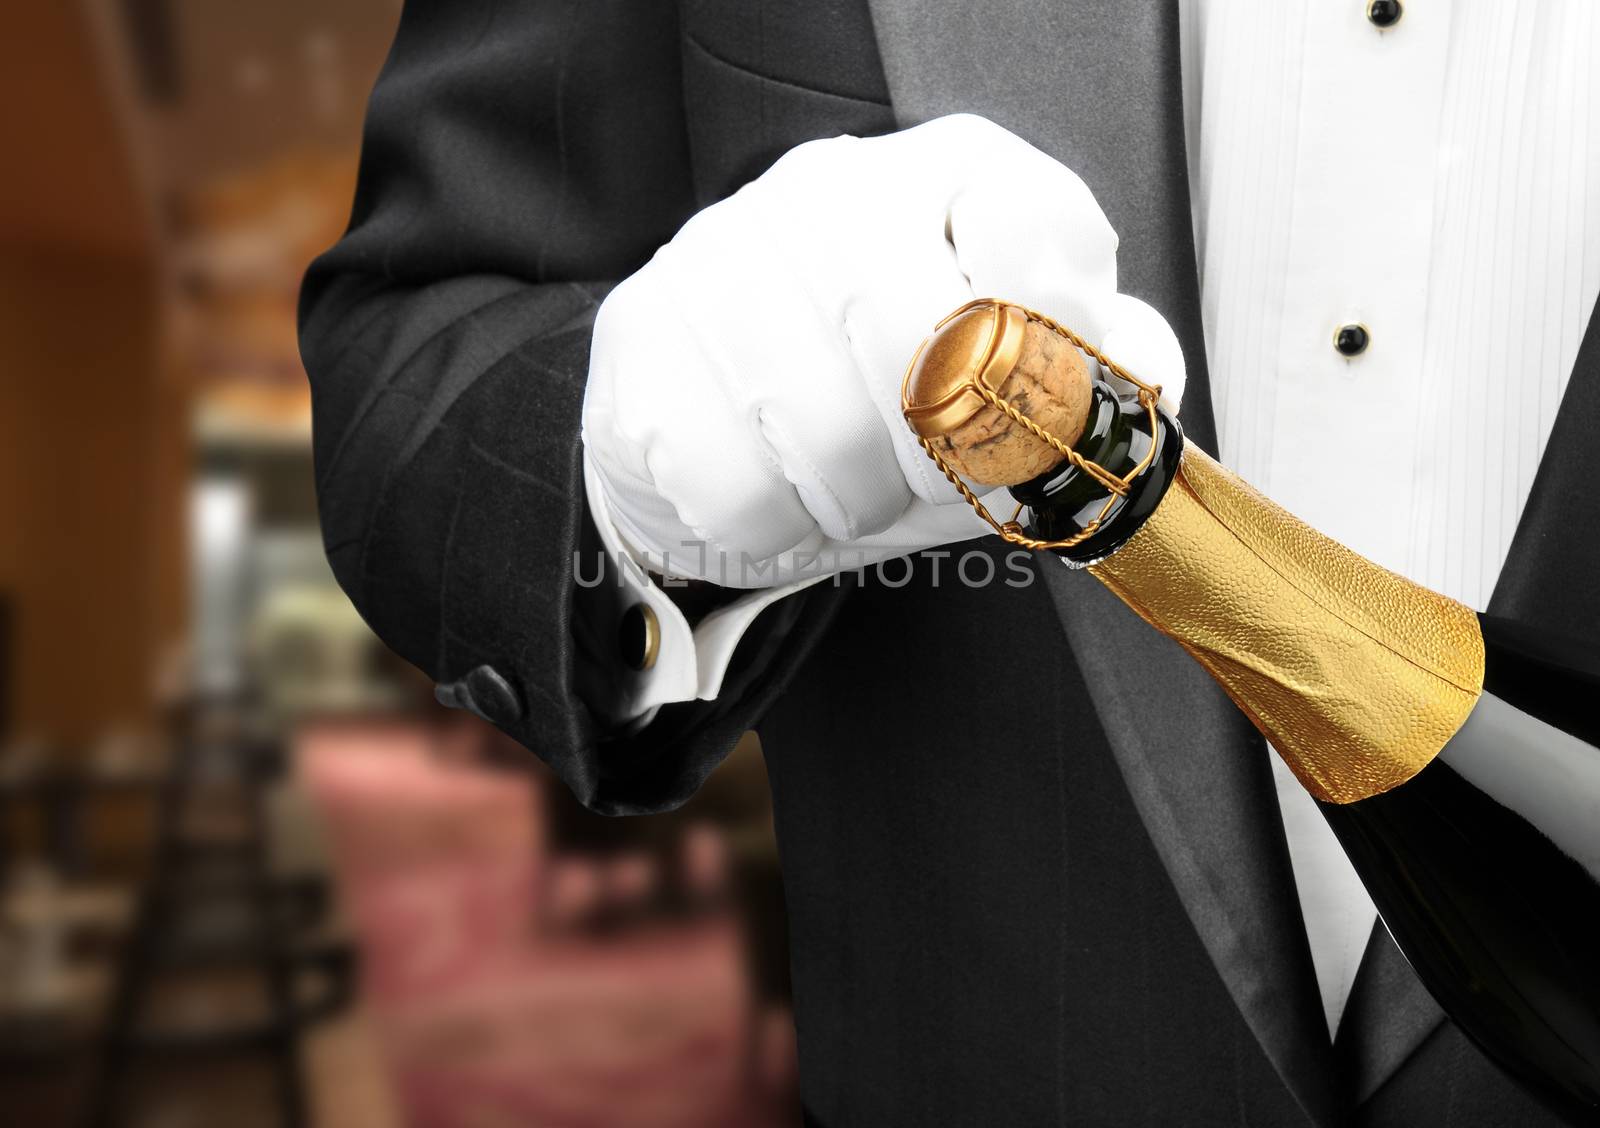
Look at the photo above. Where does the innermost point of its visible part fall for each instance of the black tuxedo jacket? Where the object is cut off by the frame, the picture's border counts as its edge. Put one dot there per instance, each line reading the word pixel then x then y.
pixel 1059 895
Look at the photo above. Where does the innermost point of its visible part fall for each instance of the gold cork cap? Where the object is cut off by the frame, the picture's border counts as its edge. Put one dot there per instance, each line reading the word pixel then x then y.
pixel 994 347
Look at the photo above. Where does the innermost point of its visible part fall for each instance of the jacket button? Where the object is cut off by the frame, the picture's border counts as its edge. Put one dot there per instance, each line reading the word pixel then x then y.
pixel 492 697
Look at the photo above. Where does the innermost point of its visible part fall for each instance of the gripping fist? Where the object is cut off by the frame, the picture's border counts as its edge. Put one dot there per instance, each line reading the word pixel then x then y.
pixel 742 419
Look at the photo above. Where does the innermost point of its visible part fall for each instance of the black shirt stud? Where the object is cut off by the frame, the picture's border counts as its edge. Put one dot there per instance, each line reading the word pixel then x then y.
pixel 1384 13
pixel 1351 340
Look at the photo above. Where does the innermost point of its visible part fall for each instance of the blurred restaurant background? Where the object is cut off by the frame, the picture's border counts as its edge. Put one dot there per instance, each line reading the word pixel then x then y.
pixel 250 873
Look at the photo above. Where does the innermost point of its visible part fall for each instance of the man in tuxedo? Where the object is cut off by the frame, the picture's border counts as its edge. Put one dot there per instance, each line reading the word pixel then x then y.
pixel 1039 869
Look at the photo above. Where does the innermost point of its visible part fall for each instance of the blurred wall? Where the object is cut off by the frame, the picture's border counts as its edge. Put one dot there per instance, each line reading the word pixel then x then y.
pixel 68 178
pixel 89 434
pixel 80 409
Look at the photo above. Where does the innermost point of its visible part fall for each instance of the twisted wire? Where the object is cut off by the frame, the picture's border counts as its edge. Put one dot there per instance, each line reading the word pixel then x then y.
pixel 1117 487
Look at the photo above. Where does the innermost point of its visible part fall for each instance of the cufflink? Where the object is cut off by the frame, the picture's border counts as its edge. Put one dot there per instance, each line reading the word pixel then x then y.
pixel 639 637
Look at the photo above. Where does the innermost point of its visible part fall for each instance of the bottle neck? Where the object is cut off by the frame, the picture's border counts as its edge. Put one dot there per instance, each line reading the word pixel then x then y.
pixel 1357 676
pixel 1117 436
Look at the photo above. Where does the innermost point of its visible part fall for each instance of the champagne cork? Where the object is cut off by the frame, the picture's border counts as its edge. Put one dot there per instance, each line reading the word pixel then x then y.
pixel 994 345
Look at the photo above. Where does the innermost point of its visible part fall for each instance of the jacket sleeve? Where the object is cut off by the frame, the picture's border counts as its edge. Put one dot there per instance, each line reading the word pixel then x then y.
pixel 519 158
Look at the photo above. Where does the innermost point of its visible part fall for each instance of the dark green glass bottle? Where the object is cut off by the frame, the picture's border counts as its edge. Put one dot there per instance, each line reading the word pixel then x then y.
pixel 1485 863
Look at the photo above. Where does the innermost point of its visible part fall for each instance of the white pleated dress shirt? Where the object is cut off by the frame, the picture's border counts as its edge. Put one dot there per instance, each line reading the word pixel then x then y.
pixel 1436 182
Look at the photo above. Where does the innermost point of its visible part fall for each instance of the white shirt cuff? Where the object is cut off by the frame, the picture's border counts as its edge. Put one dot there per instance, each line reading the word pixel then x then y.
pixel 689 664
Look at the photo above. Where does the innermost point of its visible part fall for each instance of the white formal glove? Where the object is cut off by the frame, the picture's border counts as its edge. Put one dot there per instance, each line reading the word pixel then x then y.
pixel 742 418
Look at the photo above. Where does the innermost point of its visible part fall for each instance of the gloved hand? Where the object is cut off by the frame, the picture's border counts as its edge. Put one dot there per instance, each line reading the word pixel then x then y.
pixel 742 417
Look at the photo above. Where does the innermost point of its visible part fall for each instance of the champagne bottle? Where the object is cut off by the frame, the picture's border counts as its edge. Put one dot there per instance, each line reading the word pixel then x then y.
pixel 1455 756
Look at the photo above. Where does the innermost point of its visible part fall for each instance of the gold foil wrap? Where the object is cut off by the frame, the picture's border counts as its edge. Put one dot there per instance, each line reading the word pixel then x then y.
pixel 1357 676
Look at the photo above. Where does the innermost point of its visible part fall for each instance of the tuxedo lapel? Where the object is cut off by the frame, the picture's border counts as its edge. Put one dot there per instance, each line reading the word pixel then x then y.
pixel 1199 777
pixel 1388 1015
pixel 1551 577
pixel 1099 87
